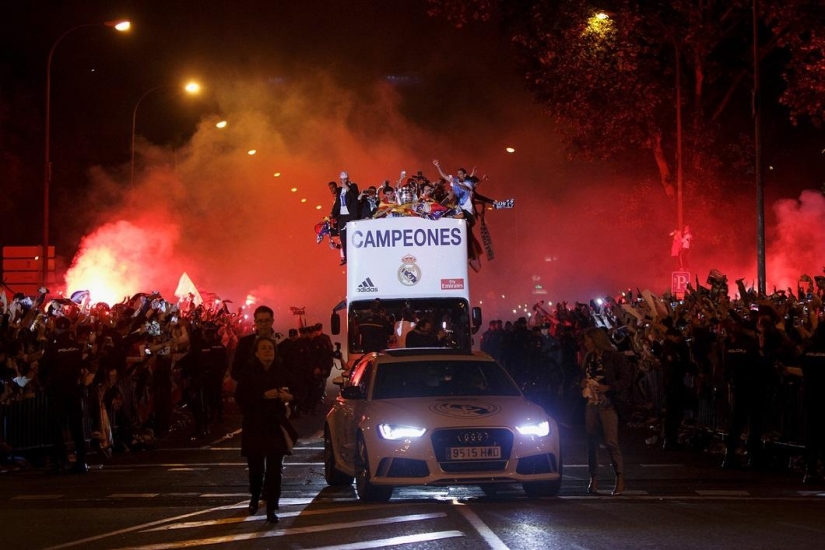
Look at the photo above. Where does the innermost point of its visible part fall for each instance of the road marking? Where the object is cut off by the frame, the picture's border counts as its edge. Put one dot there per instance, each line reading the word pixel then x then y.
pixel 214 464
pixel 395 541
pixel 481 528
pixel 139 527
pixel 286 532
pixel 722 493
pixel 812 493
pixel 133 495
pixel 231 520
pixel 35 497
pixel 187 469
pixel 669 465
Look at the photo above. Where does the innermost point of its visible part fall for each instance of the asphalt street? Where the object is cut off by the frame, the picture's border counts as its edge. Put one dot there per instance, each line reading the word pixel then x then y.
pixel 190 493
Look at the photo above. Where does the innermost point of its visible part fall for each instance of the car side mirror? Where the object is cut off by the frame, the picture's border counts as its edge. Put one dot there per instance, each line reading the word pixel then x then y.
pixel 335 323
pixel 352 392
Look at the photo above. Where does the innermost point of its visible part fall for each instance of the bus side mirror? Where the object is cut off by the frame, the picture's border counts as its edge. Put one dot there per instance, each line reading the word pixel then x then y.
pixel 335 323
pixel 476 316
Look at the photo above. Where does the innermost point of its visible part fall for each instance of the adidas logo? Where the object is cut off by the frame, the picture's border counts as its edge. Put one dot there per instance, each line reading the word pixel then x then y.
pixel 367 286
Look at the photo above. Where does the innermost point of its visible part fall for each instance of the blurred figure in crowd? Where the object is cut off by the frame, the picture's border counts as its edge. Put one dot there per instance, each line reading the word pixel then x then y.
pixel 605 379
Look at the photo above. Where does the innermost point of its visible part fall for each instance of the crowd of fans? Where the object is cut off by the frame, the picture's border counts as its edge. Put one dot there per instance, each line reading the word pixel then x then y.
pixel 147 359
pixel 148 366
pixel 751 354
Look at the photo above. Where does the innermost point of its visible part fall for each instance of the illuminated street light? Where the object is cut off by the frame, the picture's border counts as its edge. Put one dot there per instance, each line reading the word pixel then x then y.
pixel 47 168
pixel 190 88
pixel 252 152
pixel 510 150
pixel 221 124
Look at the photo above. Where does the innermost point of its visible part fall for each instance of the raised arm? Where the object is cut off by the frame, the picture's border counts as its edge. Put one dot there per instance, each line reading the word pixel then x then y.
pixel 440 171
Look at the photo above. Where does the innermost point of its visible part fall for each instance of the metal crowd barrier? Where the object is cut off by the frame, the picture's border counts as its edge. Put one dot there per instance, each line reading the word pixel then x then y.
pixel 784 410
pixel 24 422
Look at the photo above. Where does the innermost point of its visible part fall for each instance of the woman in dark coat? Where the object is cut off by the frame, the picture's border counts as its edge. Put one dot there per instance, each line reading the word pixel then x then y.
pixel 263 391
pixel 605 380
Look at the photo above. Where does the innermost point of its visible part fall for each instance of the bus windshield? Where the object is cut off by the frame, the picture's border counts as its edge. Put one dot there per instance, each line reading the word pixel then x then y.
pixel 451 315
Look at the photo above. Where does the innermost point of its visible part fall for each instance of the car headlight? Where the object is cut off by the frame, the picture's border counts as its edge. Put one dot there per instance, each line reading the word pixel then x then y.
pixel 395 431
pixel 541 429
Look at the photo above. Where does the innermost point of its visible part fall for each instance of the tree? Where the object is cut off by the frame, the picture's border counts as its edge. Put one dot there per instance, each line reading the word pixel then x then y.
pixel 607 72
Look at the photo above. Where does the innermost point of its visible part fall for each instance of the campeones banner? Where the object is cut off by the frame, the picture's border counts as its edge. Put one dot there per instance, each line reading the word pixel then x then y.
pixel 406 257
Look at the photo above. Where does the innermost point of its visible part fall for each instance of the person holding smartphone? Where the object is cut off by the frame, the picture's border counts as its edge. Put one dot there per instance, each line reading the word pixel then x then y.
pixel 263 392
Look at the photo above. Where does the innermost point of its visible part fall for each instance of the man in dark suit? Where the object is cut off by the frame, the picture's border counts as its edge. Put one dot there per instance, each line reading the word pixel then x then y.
pixel 345 209
pixel 264 317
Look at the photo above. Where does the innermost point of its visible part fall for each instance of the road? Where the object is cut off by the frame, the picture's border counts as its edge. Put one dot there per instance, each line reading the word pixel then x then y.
pixel 194 494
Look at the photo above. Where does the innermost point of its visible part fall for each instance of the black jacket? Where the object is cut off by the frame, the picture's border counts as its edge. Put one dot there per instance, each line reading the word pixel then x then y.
pixel 351 200
pixel 263 418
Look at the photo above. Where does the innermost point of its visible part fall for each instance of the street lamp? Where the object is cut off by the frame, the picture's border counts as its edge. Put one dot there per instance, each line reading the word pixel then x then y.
pixel 190 88
pixel 120 26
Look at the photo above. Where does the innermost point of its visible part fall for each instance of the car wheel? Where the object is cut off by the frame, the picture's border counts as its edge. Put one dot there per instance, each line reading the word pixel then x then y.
pixel 367 492
pixel 334 476
pixel 545 488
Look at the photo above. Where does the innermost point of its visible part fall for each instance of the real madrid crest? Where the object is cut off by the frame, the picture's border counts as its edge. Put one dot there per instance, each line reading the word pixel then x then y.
pixel 409 273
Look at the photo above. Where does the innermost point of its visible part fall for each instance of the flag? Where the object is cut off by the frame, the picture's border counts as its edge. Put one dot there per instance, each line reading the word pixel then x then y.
pixel 186 287
pixel 487 240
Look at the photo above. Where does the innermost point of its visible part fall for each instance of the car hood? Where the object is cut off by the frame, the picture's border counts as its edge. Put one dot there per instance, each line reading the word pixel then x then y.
pixel 456 411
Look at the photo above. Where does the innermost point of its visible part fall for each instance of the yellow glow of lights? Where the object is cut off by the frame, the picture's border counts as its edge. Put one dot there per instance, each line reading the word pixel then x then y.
pixel 192 87
pixel 277 174
pixel 510 150
pixel 303 200
pixel 122 26
pixel 318 207
pixel 252 152
pixel 294 189
pixel 221 124
pixel 599 24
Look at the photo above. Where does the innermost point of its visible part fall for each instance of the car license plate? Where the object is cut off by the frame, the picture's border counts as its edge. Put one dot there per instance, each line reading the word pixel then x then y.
pixel 473 453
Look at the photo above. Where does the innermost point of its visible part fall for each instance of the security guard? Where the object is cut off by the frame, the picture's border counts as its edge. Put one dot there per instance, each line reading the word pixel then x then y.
pixel 61 370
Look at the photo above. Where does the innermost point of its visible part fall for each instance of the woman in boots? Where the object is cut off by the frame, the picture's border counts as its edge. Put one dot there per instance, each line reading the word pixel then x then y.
pixel 606 378
pixel 264 389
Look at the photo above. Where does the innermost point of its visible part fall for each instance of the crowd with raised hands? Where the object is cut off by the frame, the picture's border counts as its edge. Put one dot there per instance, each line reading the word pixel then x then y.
pixel 134 371
pixel 755 363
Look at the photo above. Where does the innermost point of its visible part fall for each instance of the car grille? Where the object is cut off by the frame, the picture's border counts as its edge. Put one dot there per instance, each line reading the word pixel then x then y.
pixel 402 467
pixel 537 464
pixel 472 437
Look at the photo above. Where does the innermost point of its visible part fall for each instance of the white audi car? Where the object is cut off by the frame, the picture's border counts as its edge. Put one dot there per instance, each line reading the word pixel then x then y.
pixel 437 417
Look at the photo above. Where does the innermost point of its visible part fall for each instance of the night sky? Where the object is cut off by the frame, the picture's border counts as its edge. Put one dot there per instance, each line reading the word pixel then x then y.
pixel 316 87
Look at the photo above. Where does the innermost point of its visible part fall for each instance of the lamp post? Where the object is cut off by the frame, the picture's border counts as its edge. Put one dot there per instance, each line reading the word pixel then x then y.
pixel 757 139
pixel 190 88
pixel 120 26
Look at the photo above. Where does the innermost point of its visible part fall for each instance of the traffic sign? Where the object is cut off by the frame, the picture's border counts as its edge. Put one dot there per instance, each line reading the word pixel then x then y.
pixel 679 280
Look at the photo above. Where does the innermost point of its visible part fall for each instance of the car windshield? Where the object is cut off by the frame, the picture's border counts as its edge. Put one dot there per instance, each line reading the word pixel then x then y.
pixel 432 378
